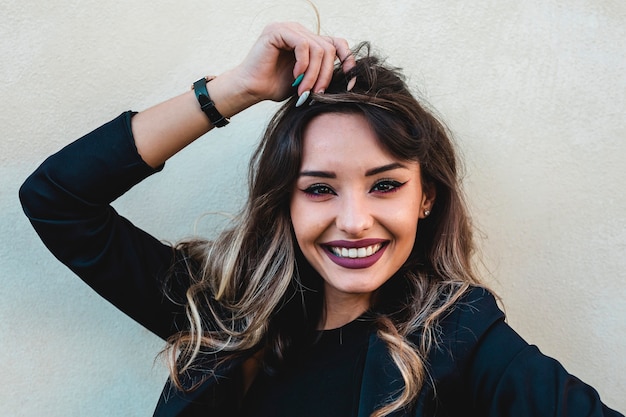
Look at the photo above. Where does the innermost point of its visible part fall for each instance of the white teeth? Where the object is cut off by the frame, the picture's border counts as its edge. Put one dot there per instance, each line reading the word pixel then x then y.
pixel 354 253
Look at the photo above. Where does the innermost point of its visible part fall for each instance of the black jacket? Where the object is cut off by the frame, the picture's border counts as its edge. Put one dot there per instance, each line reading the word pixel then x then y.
pixel 482 367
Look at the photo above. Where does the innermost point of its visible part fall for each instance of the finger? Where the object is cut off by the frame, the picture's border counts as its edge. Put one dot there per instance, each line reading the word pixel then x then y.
pixel 327 67
pixel 335 48
pixel 344 53
pixel 314 52
pixel 302 57
pixel 302 43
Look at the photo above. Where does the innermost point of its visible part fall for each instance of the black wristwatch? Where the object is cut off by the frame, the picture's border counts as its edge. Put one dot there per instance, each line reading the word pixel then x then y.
pixel 206 104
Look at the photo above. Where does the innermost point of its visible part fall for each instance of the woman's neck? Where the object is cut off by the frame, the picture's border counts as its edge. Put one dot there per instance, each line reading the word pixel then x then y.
pixel 339 311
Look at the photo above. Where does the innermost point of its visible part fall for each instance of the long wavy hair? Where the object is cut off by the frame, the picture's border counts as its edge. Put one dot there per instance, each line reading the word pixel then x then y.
pixel 252 288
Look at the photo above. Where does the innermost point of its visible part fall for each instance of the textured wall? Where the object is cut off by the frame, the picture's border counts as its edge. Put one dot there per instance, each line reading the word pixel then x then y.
pixel 533 90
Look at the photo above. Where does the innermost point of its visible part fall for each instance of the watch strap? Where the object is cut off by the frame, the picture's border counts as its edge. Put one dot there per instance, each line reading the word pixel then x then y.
pixel 206 104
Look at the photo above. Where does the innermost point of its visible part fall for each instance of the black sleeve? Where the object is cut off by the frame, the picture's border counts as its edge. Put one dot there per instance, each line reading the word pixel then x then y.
pixel 67 200
pixel 509 377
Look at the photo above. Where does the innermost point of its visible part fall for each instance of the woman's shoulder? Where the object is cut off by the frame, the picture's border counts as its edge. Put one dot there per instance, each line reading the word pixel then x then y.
pixel 465 324
pixel 473 313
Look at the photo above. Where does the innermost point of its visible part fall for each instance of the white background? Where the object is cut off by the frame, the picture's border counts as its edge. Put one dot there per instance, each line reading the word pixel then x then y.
pixel 534 92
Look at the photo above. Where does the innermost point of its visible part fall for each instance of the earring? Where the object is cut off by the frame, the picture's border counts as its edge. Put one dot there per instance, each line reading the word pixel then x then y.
pixel 426 213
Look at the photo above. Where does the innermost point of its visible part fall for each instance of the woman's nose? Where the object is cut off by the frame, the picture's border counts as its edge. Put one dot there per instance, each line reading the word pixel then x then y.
pixel 354 215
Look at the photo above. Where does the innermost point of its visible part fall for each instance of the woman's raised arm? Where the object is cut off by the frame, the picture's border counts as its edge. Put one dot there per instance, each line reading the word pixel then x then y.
pixel 281 54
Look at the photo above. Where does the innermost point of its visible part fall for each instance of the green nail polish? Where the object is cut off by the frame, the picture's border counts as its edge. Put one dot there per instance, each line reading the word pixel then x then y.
pixel 298 80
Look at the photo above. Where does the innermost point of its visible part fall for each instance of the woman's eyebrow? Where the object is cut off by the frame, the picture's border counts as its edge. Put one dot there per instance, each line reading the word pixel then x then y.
pixel 319 174
pixel 384 168
pixel 368 173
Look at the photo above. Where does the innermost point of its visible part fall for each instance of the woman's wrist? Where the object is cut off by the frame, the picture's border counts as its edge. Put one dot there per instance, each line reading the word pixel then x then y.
pixel 229 94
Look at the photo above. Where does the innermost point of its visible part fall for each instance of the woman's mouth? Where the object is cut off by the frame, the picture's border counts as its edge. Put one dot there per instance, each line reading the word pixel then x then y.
pixel 355 255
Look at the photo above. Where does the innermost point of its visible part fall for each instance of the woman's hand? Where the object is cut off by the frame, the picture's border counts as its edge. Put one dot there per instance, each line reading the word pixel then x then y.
pixel 282 53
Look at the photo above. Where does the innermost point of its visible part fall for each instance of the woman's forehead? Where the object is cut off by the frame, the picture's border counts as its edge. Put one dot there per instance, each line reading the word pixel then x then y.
pixel 333 136
pixel 336 139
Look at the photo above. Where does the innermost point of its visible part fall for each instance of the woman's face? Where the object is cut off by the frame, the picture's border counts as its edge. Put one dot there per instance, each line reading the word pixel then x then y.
pixel 354 209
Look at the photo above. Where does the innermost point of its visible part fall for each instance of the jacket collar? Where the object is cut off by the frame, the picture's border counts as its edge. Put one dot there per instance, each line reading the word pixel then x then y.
pixel 381 378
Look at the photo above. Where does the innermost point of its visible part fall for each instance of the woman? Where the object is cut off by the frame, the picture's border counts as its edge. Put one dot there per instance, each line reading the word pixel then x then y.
pixel 346 286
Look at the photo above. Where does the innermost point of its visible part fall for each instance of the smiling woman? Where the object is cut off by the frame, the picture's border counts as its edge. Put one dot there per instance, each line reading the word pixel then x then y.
pixel 345 287
pixel 355 210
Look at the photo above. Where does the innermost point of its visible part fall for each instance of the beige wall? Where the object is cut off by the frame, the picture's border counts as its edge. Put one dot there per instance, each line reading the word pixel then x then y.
pixel 533 90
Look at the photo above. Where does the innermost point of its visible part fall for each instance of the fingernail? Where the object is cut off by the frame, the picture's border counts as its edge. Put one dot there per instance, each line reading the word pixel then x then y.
pixel 351 83
pixel 298 80
pixel 302 98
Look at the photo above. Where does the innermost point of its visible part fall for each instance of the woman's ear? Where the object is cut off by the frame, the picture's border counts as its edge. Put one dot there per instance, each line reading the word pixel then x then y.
pixel 429 192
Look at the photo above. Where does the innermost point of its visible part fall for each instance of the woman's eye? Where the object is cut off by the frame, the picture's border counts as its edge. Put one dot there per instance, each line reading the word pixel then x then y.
pixel 318 189
pixel 387 186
